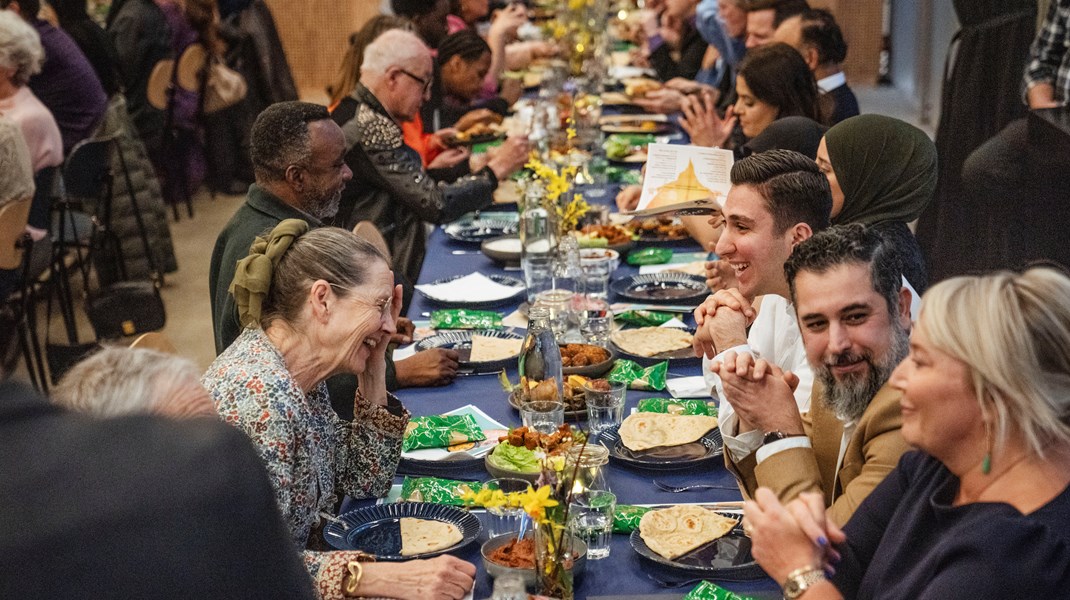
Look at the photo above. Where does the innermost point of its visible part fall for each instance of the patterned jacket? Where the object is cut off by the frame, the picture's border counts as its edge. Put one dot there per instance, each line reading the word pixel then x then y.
pixel 391 188
pixel 306 448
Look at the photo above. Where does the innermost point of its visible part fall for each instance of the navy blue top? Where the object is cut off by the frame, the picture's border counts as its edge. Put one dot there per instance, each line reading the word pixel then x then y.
pixel 907 540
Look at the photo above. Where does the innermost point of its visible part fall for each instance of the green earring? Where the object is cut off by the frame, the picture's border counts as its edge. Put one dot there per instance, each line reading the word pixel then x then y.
pixel 986 464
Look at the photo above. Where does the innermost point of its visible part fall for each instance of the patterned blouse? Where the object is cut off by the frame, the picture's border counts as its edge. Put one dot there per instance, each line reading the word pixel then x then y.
pixel 307 449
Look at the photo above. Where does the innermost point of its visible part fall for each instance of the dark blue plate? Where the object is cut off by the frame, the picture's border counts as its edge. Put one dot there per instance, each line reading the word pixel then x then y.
pixel 666 287
pixel 709 448
pixel 377 529
pixel 513 282
pixel 727 558
pixel 461 341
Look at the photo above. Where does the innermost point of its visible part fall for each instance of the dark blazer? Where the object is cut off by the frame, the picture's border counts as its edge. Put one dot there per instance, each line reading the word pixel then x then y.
pixel 844 104
pixel 692 49
pixel 136 507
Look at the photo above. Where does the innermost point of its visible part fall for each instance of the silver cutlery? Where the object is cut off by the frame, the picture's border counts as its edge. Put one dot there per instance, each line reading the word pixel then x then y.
pixel 460 252
pixel 673 584
pixel 676 489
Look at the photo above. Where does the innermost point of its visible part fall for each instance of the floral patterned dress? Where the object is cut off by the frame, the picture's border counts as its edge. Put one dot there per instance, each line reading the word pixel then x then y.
pixel 306 448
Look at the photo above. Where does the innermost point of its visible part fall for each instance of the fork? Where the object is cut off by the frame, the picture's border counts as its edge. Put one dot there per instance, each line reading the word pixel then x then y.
pixel 673 584
pixel 684 488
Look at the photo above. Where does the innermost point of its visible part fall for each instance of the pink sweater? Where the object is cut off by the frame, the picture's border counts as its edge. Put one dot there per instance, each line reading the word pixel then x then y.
pixel 38 128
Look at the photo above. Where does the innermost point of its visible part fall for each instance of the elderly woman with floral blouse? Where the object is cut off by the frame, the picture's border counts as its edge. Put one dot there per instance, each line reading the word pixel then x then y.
pixel 315 304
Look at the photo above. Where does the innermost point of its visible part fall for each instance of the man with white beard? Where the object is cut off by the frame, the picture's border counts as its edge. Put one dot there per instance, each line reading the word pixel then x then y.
pixel 854 316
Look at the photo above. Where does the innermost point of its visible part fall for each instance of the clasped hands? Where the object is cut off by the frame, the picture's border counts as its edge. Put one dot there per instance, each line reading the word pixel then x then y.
pixel 787 536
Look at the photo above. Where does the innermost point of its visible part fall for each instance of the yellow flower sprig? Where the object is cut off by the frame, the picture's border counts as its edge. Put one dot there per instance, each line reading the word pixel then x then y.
pixel 569 215
pixel 534 502
pixel 555 182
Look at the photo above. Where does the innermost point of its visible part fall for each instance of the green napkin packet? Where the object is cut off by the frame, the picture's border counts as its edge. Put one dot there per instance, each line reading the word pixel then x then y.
pixel 436 491
pixel 626 517
pixel 638 378
pixel 464 318
pixel 678 407
pixel 644 318
pixel 650 256
pixel 711 591
pixel 441 431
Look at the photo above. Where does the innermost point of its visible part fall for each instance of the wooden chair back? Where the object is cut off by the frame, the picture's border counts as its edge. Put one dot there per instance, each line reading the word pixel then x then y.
pixel 367 231
pixel 154 340
pixel 13 217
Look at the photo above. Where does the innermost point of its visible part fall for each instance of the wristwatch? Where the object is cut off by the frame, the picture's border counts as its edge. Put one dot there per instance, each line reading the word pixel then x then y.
pixel 800 580
pixel 773 436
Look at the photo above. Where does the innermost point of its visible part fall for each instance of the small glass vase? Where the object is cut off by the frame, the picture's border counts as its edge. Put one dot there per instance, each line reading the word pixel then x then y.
pixel 553 561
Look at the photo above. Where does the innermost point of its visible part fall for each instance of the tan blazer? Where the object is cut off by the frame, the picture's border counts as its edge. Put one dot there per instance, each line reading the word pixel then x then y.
pixel 872 452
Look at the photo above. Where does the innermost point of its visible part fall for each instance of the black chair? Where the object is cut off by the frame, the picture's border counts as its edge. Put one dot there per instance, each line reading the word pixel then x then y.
pixel 16 270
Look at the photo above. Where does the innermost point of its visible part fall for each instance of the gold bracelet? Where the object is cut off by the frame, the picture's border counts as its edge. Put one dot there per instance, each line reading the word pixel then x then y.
pixel 356 572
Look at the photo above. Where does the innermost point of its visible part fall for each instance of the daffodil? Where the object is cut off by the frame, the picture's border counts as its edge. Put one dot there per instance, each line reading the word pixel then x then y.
pixel 536 502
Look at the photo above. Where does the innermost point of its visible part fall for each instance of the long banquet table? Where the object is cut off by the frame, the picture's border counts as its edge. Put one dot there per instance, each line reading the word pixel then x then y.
pixel 622 574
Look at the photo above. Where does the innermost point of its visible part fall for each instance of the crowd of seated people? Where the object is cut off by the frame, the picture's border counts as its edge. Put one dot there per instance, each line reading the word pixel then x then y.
pixel 890 438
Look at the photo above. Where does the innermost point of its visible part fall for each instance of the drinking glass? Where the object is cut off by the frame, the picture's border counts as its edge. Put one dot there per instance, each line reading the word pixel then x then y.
pixel 544 416
pixel 559 302
pixel 591 520
pixel 604 407
pixel 596 322
pixel 505 519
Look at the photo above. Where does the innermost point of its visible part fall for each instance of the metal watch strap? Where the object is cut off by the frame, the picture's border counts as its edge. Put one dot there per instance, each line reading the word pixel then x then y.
pixel 800 580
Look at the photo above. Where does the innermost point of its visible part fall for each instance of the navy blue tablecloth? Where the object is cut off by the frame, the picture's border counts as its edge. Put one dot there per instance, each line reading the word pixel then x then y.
pixel 623 572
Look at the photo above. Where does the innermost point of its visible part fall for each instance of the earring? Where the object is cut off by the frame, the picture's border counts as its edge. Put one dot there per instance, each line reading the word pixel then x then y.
pixel 986 463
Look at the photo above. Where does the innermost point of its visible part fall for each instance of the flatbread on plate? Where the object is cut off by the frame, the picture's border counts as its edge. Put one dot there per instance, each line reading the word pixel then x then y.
pixel 646 430
pixel 673 532
pixel 423 535
pixel 651 341
pixel 487 349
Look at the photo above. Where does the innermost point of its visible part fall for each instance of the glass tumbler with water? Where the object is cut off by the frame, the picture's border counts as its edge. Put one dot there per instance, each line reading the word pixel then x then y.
pixel 591 520
pixel 537 242
pixel 605 404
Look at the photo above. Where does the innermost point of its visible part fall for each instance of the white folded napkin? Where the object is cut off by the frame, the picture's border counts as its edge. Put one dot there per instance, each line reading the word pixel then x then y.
pixel 674 322
pixel 687 387
pixel 475 287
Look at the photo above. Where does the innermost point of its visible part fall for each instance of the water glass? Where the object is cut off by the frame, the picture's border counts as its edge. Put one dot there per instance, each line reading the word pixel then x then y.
pixel 505 519
pixel 605 408
pixel 596 322
pixel 591 520
pixel 559 302
pixel 538 274
pixel 544 416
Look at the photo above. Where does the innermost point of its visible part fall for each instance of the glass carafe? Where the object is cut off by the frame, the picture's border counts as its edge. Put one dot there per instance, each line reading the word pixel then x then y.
pixel 540 359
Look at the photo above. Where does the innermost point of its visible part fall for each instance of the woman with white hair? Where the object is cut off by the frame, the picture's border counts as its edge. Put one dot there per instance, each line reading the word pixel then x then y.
pixel 982 510
pixel 21 56
pixel 120 381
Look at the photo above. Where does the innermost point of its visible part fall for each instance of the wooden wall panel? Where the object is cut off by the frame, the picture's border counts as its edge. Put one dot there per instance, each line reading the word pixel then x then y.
pixel 862 25
pixel 315 34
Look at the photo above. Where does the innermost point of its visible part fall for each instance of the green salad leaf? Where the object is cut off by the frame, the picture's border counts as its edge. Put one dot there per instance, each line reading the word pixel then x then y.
pixel 514 458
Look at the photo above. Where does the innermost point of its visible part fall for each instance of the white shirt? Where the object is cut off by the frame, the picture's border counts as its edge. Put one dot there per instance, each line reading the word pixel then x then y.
pixel 827 84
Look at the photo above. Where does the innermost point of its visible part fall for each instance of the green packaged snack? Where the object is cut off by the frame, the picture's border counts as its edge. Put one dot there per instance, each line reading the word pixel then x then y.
pixel 626 517
pixel 650 256
pixel 643 318
pixel 638 378
pixel 623 175
pixel 710 591
pixel 435 490
pixel 464 318
pixel 441 431
pixel 675 406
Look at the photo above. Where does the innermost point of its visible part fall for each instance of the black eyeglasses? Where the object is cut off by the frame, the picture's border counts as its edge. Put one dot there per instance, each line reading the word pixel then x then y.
pixel 426 83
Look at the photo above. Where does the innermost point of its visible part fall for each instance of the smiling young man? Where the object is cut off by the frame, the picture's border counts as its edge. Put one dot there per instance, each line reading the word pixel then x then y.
pixel 854 315
pixel 778 199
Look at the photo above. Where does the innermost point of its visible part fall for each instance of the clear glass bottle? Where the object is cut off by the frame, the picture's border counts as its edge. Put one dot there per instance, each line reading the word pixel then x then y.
pixel 540 359
pixel 538 233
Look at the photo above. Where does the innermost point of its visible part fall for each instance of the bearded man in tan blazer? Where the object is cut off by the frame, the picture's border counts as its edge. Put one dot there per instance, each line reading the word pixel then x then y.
pixel 854 315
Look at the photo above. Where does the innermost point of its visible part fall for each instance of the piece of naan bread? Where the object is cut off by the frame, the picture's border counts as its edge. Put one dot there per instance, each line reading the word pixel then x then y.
pixel 422 535
pixel 487 349
pixel 677 530
pixel 651 341
pixel 645 430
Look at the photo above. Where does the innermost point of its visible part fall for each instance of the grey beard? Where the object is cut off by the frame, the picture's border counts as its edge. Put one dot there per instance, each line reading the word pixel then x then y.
pixel 849 398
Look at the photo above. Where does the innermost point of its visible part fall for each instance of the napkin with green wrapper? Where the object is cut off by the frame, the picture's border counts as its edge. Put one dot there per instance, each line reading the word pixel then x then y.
pixel 436 490
pixel 678 407
pixel 465 318
pixel 626 517
pixel 638 378
pixel 711 591
pixel 644 318
pixel 441 431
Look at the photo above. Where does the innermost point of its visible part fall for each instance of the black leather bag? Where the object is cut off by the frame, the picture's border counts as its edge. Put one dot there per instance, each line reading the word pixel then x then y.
pixel 126 308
